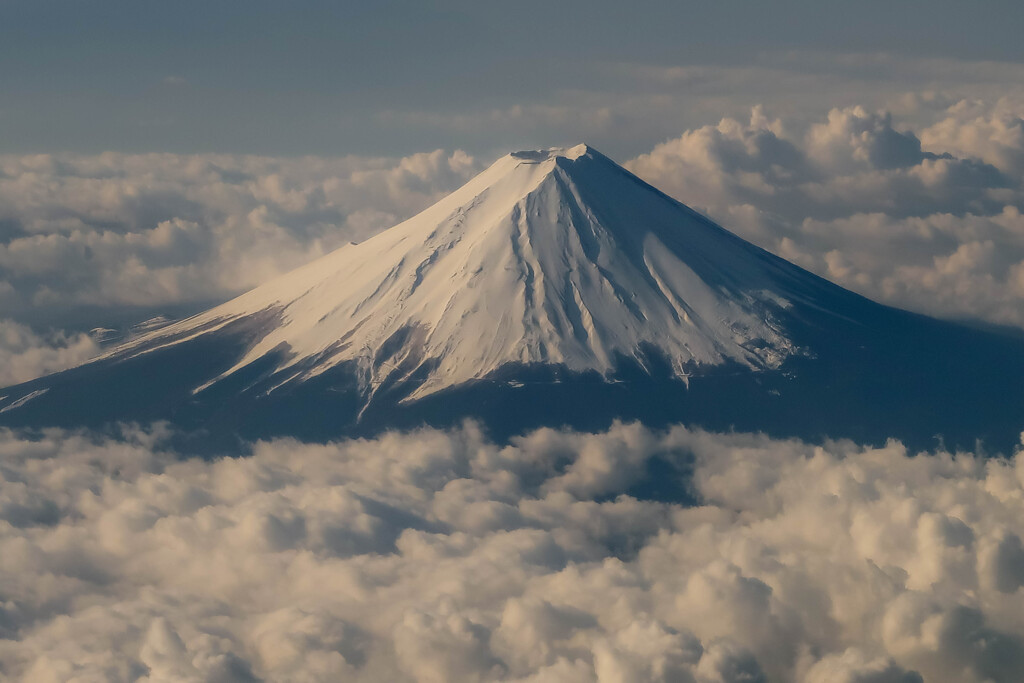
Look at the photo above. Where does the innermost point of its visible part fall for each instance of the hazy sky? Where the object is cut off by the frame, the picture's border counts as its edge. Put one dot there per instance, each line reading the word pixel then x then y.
pixel 391 76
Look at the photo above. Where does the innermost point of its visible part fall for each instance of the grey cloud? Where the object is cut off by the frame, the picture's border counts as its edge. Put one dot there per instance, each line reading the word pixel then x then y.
pixel 853 666
pixel 440 556
pixel 1007 563
pixel 25 354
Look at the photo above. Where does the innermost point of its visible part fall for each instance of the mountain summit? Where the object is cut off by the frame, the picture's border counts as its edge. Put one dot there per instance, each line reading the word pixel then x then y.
pixel 554 288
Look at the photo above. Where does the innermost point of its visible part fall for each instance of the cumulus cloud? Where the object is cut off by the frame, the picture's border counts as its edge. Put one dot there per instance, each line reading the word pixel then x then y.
pixel 115 229
pixel 992 133
pixel 928 220
pixel 441 556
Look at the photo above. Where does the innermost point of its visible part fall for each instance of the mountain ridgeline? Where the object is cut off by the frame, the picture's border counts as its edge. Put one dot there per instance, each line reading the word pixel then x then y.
pixel 554 289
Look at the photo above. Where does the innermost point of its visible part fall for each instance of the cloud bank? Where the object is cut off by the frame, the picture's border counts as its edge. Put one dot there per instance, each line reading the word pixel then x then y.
pixel 927 220
pixel 439 556
pixel 142 230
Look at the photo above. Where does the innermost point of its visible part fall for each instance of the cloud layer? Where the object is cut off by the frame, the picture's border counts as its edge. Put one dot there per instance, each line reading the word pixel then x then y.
pixel 927 220
pixel 115 230
pixel 439 556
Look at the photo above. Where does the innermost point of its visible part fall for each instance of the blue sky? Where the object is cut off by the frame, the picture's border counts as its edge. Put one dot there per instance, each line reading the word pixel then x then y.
pixel 390 77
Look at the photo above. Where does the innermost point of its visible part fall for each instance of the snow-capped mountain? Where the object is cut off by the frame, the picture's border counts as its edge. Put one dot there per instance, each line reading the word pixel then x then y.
pixel 550 257
pixel 553 288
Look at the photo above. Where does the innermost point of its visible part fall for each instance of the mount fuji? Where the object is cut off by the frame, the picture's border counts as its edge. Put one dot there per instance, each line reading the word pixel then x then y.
pixel 555 288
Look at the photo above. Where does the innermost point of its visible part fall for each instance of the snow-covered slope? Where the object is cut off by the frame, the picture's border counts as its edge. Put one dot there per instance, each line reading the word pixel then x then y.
pixel 549 257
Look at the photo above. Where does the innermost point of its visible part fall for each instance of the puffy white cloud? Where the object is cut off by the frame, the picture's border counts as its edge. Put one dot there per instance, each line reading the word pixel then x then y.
pixel 928 221
pixel 440 556
pixel 973 128
pixel 115 229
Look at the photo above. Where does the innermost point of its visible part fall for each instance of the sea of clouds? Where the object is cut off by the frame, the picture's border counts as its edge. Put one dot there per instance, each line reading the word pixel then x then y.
pixel 442 557
pixel 928 220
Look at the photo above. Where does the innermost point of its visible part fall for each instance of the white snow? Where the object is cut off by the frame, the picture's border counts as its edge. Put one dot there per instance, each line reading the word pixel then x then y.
pixel 23 400
pixel 556 256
